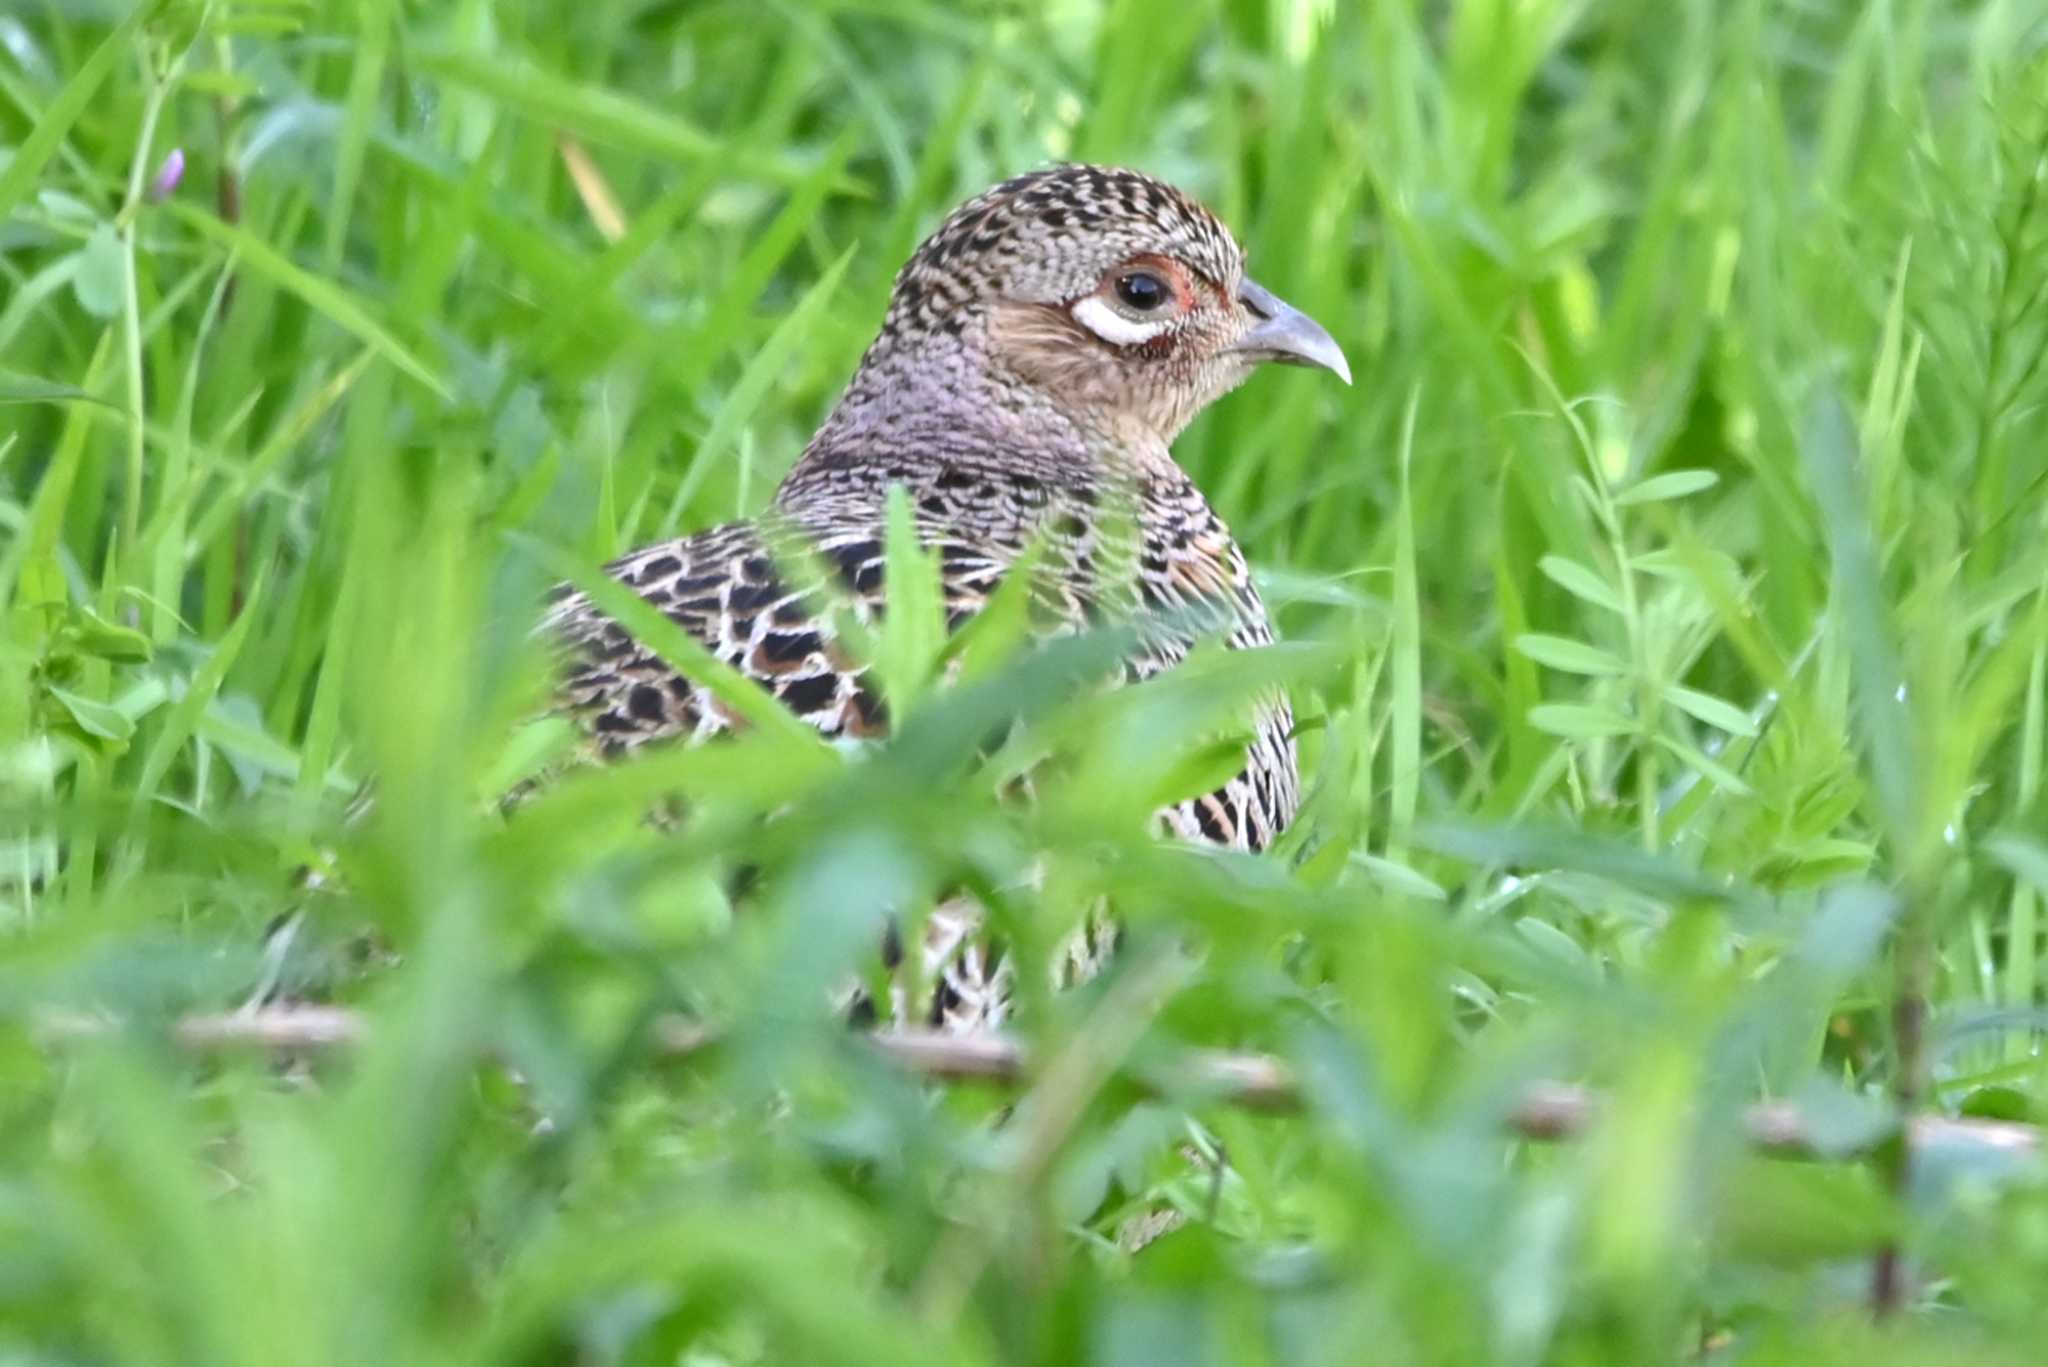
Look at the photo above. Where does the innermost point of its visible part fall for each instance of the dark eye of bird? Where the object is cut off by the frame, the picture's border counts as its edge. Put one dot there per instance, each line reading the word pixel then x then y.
pixel 1142 290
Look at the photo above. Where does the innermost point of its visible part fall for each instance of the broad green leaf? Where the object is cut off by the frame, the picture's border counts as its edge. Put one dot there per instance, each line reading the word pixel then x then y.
pixel 95 635
pixel 1397 877
pixel 1558 947
pixel 101 278
pixel 1671 484
pixel 228 728
pixel 1203 770
pixel 1530 846
pixel 94 717
pixel 1581 582
pixel 1579 721
pixel 1690 565
pixel 1997 1103
pixel 527 752
pixel 1717 773
pixel 1571 657
pixel 1797 1215
pixel 2024 856
pixel 16 388
pixel 1710 709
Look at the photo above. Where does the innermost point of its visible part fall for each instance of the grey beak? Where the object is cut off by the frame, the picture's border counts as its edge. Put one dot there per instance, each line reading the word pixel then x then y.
pixel 1284 333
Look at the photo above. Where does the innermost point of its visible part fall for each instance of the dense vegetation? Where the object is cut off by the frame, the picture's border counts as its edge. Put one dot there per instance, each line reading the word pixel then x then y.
pixel 1668 618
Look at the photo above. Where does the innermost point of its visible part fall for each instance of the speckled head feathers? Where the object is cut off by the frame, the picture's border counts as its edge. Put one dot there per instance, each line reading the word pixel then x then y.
pixel 1047 236
pixel 1080 313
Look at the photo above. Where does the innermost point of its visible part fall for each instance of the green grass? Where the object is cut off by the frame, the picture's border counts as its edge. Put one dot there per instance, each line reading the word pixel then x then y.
pixel 1669 609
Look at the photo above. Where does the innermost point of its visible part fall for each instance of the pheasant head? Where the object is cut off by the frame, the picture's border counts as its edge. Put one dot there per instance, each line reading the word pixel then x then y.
pixel 1075 303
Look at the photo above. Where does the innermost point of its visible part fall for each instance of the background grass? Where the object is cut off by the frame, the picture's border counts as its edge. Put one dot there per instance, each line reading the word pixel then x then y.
pixel 1670 601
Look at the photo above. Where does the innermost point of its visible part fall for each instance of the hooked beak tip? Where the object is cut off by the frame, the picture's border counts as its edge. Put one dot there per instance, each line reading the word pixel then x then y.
pixel 1284 333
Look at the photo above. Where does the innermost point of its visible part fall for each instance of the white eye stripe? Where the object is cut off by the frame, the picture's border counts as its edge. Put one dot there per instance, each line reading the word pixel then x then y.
pixel 1105 322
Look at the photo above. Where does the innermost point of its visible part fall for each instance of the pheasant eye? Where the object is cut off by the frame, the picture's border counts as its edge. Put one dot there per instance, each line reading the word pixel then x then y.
pixel 1142 290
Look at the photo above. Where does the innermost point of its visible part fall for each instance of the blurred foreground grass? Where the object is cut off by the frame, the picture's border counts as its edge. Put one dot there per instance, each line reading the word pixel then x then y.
pixel 1670 609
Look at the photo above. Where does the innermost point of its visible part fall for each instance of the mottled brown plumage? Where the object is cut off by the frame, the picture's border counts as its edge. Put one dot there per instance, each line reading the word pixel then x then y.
pixel 1040 352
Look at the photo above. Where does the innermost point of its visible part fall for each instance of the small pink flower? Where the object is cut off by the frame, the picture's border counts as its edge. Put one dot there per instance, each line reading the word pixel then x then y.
pixel 168 175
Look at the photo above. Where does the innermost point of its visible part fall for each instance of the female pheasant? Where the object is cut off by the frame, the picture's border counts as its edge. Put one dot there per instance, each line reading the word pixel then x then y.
pixel 1040 352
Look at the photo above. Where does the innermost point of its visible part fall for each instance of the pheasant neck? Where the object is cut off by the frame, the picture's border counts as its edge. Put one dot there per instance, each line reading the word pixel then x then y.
pixel 947 402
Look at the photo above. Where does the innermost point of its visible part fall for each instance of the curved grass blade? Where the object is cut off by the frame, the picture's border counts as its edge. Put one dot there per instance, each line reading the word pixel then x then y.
pixel 321 295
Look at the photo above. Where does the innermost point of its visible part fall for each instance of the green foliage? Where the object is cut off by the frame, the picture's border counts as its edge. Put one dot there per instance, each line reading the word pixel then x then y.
pixel 1668 622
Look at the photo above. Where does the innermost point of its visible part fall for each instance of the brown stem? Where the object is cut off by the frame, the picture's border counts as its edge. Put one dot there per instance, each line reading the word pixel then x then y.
pixel 1545 1111
pixel 1909 1087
